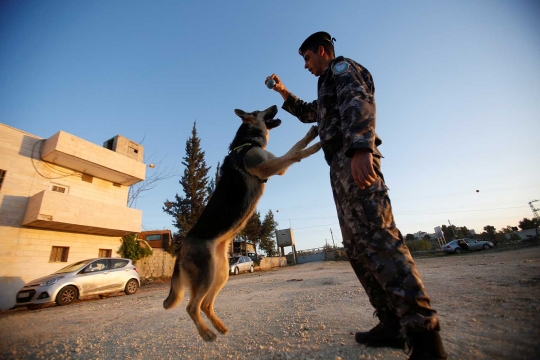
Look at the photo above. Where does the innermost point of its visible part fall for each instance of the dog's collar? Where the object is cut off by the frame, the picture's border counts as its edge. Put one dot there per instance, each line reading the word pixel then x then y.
pixel 239 147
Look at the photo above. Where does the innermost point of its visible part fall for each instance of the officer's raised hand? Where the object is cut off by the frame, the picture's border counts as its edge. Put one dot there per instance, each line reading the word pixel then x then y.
pixel 279 87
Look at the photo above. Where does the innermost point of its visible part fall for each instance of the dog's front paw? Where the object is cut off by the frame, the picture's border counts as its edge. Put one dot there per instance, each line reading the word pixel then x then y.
pixel 313 132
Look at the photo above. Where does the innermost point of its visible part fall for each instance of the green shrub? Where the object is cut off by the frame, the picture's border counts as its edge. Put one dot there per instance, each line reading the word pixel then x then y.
pixel 418 245
pixel 134 249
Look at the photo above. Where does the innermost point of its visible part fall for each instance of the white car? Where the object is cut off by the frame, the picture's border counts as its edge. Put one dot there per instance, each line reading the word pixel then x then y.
pixel 97 276
pixel 460 245
pixel 240 263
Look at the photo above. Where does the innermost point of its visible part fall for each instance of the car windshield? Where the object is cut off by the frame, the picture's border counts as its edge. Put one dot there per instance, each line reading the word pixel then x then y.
pixel 233 260
pixel 73 267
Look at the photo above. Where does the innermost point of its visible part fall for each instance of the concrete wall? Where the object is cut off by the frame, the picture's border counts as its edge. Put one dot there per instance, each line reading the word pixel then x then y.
pixel 25 251
pixel 271 262
pixel 161 263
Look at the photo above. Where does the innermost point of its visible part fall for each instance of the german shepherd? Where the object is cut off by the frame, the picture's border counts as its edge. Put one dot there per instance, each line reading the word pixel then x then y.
pixel 202 263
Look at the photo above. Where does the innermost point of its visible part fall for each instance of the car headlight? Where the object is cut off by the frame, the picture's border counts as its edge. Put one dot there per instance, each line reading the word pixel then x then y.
pixel 51 282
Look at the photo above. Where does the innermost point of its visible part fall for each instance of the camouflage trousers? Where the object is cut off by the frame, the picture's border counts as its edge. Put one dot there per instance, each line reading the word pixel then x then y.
pixel 376 250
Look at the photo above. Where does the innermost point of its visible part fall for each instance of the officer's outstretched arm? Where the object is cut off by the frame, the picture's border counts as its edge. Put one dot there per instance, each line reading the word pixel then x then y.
pixel 279 87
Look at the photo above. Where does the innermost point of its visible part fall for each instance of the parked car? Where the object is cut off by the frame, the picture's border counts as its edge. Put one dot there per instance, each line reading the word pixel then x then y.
pixel 255 257
pixel 97 276
pixel 240 263
pixel 459 245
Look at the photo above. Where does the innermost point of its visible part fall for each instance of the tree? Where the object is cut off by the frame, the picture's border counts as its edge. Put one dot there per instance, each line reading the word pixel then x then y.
pixel 506 230
pixel 268 231
pixel 526 224
pixel 409 241
pixel 490 231
pixel 186 209
pixel 213 182
pixel 463 232
pixel 134 249
pixel 154 176
pixel 449 232
pixel 251 233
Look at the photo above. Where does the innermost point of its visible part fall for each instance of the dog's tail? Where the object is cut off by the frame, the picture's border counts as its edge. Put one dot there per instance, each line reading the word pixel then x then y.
pixel 176 293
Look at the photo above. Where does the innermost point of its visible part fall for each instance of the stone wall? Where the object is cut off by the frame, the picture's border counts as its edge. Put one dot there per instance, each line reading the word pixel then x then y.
pixel 161 263
pixel 270 262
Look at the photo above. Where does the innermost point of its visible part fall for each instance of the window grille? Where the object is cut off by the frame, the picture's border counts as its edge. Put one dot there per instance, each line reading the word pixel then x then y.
pixel 59 254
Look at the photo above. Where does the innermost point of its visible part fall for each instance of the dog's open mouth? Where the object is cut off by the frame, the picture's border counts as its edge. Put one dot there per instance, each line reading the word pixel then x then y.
pixel 269 118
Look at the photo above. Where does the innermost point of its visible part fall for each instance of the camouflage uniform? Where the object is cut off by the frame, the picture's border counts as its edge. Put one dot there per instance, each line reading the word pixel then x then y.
pixel 345 113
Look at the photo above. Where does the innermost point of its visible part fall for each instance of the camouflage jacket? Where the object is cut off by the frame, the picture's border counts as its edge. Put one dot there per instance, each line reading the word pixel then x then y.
pixel 344 110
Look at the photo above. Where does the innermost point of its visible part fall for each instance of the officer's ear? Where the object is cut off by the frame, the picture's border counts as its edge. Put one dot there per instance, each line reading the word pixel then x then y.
pixel 321 51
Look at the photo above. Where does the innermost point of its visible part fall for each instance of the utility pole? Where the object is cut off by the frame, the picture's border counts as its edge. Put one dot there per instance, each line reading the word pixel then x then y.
pixel 451 227
pixel 331 233
pixel 534 210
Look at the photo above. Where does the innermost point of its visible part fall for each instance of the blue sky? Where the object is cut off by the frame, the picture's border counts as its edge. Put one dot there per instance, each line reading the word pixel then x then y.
pixel 457 89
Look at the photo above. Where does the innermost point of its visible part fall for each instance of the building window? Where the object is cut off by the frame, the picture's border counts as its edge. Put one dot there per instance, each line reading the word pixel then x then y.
pixel 59 188
pixel 59 254
pixel 2 176
pixel 153 237
pixel 105 253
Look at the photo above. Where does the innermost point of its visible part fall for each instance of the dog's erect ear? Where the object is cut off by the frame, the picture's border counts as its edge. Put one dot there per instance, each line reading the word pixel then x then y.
pixel 243 115
pixel 239 112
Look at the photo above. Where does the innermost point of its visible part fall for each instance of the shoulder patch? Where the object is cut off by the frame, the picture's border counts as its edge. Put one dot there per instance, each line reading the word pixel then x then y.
pixel 340 67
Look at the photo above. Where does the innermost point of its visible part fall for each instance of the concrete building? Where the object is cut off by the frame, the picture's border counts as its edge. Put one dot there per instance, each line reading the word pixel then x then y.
pixel 62 199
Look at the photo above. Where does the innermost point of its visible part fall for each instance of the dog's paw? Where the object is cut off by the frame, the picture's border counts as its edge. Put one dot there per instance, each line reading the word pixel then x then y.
pixel 222 330
pixel 208 335
pixel 313 132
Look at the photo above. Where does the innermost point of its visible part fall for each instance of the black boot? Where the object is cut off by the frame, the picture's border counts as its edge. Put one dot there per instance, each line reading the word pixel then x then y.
pixel 426 345
pixel 385 334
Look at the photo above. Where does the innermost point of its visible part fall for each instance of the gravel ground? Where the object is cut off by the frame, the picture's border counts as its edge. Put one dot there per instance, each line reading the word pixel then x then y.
pixel 488 303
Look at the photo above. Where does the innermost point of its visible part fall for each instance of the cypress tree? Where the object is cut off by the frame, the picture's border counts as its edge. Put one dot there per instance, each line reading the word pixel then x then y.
pixel 186 209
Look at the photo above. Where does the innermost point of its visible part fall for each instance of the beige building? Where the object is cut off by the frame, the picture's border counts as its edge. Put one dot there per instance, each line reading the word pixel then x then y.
pixel 62 199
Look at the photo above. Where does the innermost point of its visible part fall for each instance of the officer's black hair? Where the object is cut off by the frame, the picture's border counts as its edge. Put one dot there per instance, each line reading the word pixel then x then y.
pixel 317 39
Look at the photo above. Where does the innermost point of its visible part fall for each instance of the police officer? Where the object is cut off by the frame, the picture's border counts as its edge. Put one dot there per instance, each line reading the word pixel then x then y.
pixel 345 114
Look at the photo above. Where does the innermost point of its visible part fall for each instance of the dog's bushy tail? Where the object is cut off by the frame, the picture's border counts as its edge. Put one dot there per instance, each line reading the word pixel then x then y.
pixel 176 294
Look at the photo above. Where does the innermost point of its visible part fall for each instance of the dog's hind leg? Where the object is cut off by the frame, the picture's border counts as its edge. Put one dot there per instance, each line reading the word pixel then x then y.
pixel 220 279
pixel 176 294
pixel 201 275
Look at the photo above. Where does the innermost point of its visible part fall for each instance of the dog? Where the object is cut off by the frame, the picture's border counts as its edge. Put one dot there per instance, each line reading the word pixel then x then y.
pixel 202 263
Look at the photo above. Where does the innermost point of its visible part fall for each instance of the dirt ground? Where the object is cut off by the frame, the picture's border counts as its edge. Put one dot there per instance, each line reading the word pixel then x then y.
pixel 488 303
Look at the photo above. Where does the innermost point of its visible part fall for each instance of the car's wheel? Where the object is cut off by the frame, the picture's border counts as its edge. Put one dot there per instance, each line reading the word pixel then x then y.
pixel 66 296
pixel 131 287
pixel 486 247
pixel 458 251
pixel 251 269
pixel 236 271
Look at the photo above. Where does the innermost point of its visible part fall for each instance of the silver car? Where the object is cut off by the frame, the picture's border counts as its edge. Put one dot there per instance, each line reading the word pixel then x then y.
pixel 240 263
pixel 460 245
pixel 97 276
